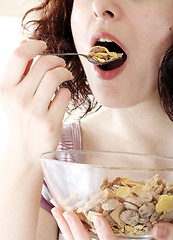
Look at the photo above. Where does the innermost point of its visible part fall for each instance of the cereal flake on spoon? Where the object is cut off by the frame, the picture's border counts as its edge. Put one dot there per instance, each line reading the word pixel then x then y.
pixel 102 54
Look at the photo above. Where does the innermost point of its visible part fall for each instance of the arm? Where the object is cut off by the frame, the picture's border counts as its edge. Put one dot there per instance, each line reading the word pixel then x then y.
pixel 35 127
pixel 47 226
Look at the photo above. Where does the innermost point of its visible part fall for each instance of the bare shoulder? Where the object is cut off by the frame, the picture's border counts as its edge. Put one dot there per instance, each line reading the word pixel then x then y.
pixel 96 118
pixel 92 129
pixel 47 226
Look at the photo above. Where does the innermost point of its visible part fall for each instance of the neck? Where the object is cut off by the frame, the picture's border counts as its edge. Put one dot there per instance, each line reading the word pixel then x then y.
pixel 144 128
pixel 145 124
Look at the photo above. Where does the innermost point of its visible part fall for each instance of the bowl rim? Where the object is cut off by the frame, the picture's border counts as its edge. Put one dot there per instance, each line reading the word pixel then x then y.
pixel 159 157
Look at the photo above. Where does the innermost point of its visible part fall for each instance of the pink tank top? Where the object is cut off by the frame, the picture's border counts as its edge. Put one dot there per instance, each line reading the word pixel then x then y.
pixel 71 139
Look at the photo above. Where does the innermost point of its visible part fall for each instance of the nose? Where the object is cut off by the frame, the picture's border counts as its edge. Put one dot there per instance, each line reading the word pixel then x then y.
pixel 104 9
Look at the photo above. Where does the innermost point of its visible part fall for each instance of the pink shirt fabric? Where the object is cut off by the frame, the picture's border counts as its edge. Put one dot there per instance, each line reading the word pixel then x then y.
pixel 70 140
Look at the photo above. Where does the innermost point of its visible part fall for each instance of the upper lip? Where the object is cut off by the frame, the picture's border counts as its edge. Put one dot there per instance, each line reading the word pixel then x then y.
pixel 97 35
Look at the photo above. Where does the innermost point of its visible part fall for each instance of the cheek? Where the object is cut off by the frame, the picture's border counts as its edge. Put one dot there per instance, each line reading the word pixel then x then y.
pixel 150 50
pixel 160 36
pixel 79 23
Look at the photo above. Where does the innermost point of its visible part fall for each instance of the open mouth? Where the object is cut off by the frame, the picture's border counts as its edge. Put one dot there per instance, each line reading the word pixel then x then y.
pixel 112 47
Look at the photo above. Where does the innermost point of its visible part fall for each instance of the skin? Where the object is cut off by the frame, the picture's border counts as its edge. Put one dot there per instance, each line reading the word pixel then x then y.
pixel 35 123
pixel 141 43
pixel 134 25
pixel 36 120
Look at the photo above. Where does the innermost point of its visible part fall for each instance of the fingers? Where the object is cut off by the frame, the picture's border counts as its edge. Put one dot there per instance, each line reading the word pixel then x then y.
pixel 73 229
pixel 103 228
pixel 163 231
pixel 42 68
pixel 18 62
pixel 54 202
pixel 29 63
pixel 60 102
pixel 62 224
pixel 77 228
pixel 38 84
pixel 70 225
pixel 35 117
pixel 49 85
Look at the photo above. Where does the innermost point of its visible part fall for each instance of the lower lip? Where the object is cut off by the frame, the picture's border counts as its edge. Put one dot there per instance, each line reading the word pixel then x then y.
pixel 108 75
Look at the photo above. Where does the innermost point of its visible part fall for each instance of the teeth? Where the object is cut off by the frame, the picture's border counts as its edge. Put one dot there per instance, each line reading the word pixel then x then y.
pixel 104 40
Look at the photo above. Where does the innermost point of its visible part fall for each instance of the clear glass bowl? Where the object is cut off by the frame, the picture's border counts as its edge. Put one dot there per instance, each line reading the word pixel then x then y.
pixel 132 191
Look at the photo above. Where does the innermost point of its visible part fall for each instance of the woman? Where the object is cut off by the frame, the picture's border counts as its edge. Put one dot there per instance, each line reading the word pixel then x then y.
pixel 143 32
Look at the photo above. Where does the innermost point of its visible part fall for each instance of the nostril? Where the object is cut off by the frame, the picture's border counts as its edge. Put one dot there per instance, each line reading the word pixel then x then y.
pixel 95 14
pixel 102 10
pixel 109 13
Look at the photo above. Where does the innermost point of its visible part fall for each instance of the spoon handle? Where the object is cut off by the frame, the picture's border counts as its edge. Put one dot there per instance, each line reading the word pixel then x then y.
pixel 64 54
pixel 90 59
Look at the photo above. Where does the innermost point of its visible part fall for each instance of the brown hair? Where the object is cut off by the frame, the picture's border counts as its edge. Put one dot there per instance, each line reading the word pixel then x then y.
pixel 165 83
pixel 53 26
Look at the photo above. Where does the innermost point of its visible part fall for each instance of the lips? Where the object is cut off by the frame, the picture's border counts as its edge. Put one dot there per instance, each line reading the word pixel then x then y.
pixel 110 70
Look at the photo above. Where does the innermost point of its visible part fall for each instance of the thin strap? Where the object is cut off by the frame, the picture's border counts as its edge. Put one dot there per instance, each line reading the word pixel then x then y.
pixel 76 135
pixel 71 137
pixel 70 140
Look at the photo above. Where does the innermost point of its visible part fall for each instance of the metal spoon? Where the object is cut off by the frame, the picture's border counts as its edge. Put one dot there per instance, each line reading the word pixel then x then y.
pixel 90 59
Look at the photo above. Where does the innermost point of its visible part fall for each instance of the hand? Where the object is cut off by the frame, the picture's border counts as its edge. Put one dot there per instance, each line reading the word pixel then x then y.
pixel 73 229
pixel 163 231
pixel 26 92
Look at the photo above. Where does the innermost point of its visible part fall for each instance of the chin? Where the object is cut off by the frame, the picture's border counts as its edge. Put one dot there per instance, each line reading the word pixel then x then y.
pixel 117 106
pixel 115 102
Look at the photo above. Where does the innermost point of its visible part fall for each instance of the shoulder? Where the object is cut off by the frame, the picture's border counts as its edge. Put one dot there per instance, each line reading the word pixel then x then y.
pixel 94 120
pixel 93 128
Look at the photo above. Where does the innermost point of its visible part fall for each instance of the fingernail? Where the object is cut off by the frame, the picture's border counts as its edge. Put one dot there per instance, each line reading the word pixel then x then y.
pixel 54 213
pixel 67 218
pixel 43 42
pixel 23 41
pixel 53 202
pixel 97 222
pixel 71 75
pixel 160 232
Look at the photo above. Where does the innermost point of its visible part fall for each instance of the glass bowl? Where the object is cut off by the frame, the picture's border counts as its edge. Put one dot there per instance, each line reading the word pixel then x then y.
pixel 132 191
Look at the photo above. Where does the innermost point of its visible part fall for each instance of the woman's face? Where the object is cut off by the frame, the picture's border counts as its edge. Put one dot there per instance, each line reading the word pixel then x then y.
pixel 142 28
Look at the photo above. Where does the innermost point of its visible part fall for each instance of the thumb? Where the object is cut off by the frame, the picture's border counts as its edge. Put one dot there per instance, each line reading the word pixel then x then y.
pixel 163 231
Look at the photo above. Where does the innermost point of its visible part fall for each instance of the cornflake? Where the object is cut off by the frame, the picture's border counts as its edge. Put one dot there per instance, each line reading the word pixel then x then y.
pixel 130 207
pixel 102 54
